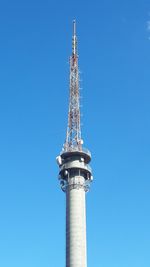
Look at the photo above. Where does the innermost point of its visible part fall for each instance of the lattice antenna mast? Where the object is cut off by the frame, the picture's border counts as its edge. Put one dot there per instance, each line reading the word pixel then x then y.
pixel 73 138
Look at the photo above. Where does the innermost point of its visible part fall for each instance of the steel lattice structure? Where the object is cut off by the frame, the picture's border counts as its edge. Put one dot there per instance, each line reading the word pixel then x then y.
pixel 73 137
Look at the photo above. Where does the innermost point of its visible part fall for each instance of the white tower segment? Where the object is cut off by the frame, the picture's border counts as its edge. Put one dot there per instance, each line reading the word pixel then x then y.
pixel 74 172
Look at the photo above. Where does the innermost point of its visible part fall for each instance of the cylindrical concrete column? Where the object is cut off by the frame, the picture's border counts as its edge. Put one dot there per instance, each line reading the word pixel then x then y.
pixel 76 226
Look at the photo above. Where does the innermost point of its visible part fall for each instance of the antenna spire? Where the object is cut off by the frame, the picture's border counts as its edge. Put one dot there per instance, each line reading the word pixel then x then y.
pixel 73 137
pixel 74 39
pixel 74 27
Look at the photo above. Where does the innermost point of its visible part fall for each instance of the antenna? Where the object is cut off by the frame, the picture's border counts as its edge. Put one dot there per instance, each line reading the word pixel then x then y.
pixel 74 27
pixel 74 39
pixel 73 137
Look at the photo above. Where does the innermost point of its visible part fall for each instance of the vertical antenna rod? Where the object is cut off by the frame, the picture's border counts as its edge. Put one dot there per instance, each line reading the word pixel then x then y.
pixel 74 39
pixel 73 138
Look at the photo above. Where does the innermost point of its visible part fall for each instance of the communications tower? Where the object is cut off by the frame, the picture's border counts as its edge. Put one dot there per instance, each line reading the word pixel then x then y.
pixel 75 174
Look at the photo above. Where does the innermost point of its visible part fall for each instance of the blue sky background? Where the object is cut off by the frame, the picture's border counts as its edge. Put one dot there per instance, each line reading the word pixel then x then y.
pixel 114 49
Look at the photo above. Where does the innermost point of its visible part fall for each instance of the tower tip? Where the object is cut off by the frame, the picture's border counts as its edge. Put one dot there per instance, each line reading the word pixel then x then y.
pixel 74 27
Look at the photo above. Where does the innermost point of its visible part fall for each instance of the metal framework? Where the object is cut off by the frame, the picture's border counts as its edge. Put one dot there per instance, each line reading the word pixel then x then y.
pixel 73 138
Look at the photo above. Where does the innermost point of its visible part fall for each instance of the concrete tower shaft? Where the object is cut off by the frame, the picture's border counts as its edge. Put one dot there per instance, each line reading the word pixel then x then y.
pixel 75 174
pixel 76 227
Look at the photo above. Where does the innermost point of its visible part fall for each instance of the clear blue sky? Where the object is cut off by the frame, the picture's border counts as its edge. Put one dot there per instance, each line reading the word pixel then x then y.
pixel 114 49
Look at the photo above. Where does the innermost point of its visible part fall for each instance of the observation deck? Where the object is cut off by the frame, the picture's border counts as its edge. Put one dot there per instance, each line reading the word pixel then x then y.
pixel 74 162
pixel 75 152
